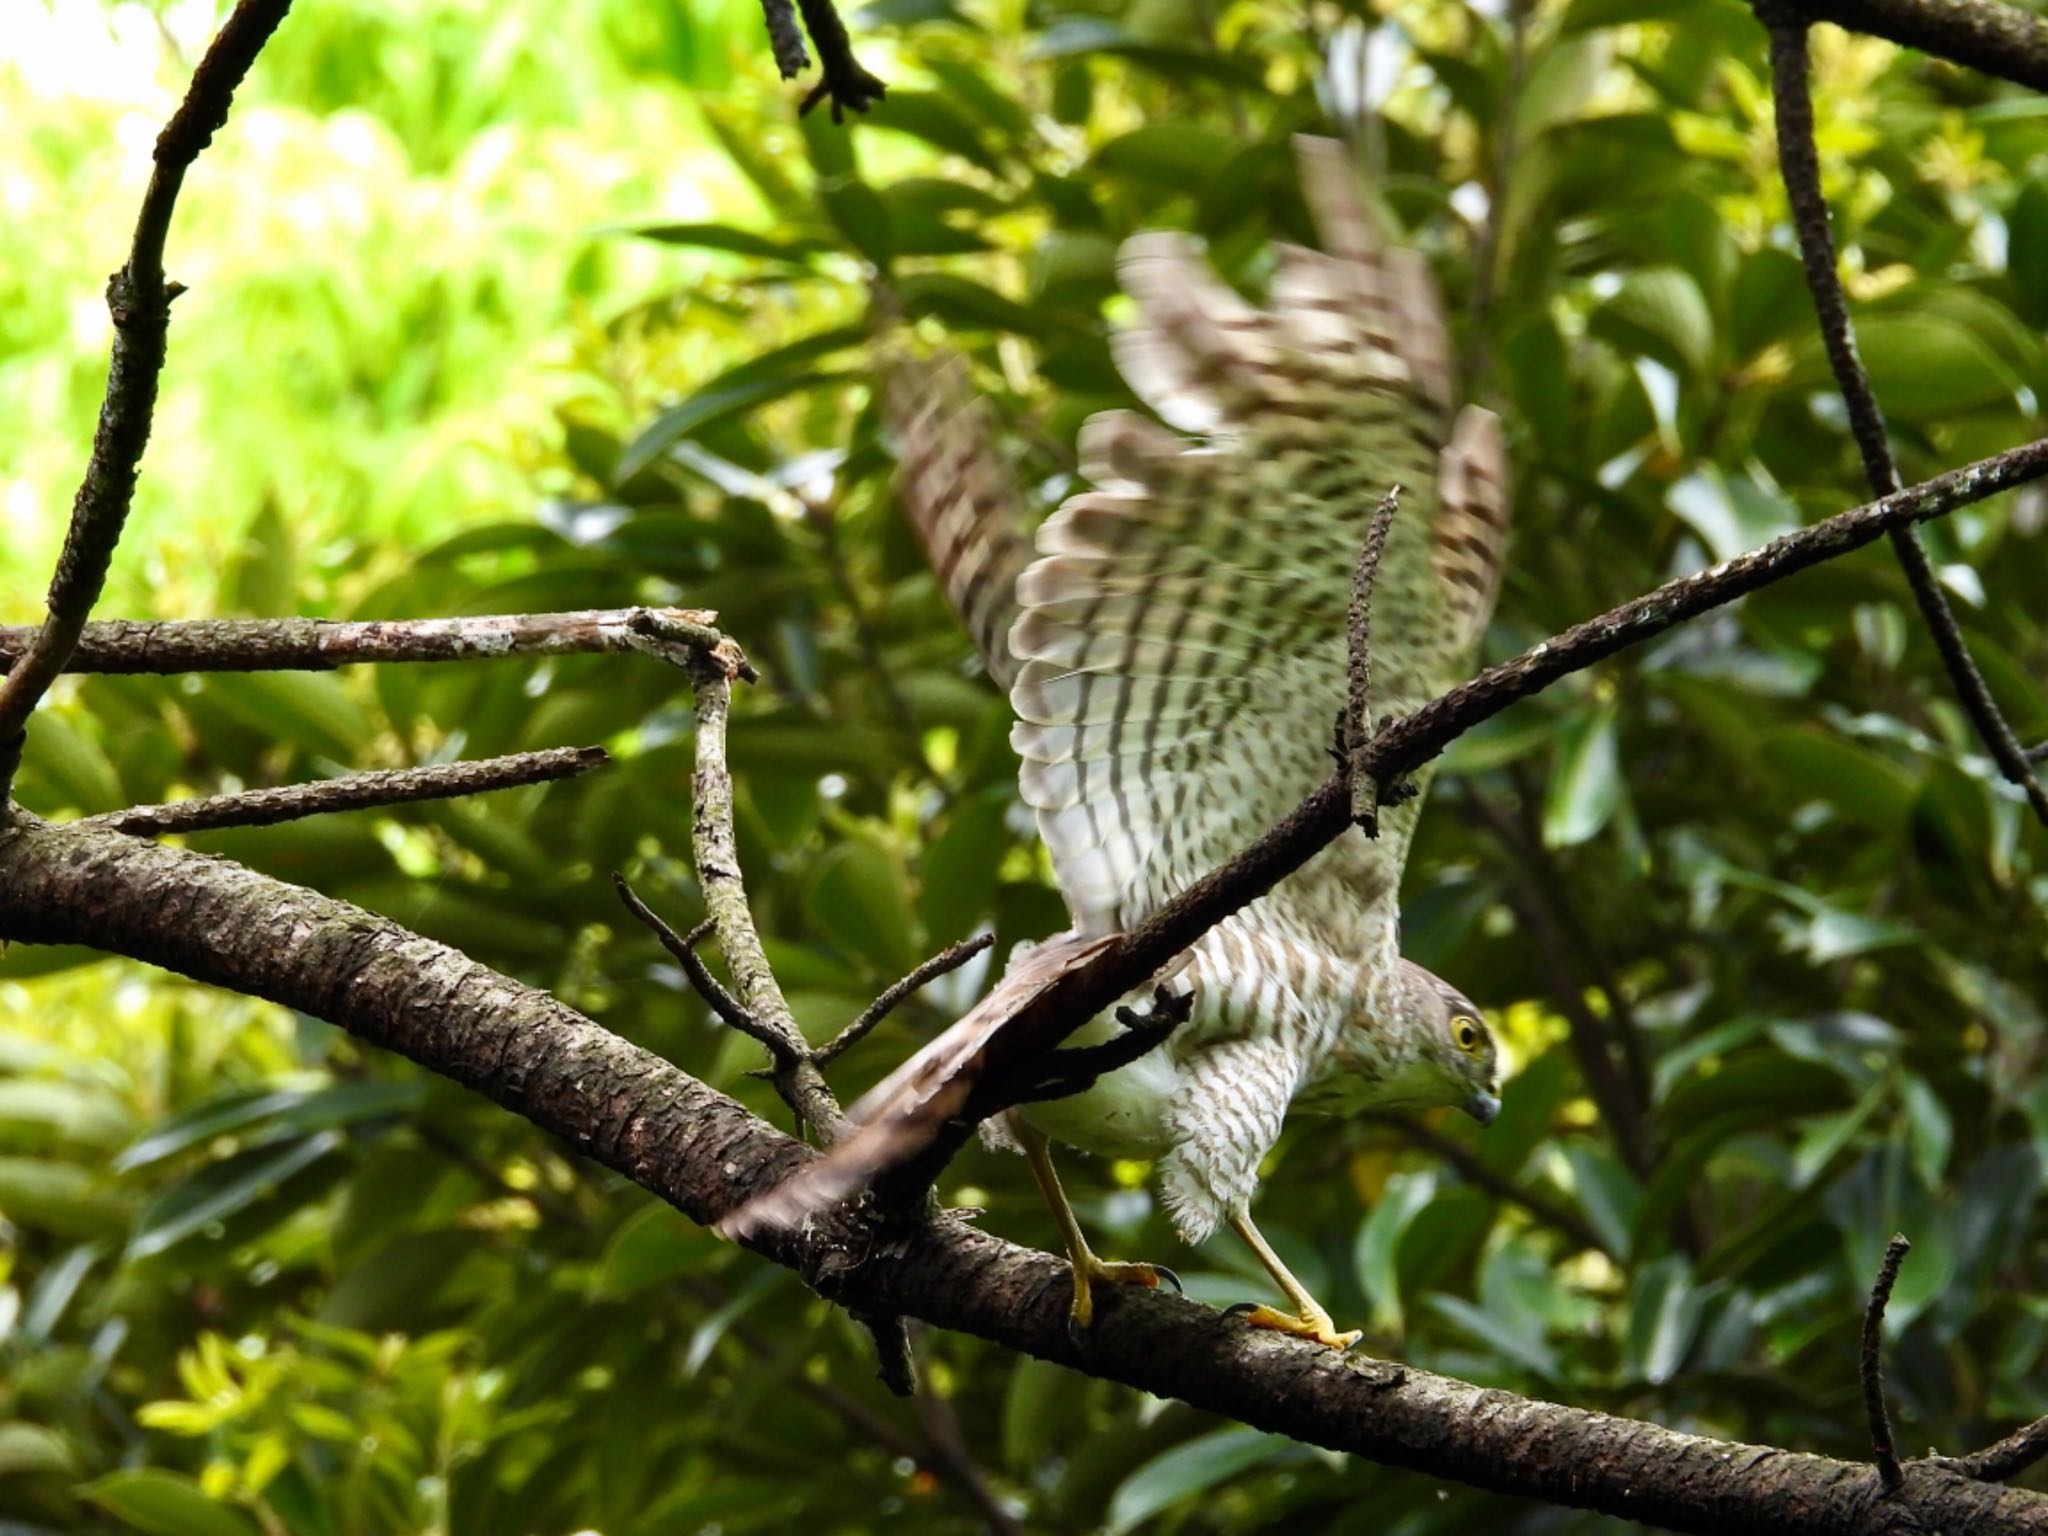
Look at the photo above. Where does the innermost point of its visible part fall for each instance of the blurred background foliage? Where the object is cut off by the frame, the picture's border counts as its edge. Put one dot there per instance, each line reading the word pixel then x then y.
pixel 522 307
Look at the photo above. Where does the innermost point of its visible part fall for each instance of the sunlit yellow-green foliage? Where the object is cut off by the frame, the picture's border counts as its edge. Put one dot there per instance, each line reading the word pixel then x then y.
pixel 258 1278
pixel 397 258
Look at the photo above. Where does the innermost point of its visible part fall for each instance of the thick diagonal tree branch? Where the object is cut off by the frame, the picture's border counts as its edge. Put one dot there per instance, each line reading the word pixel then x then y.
pixel 1799 163
pixel 322 645
pixel 629 1110
pixel 140 302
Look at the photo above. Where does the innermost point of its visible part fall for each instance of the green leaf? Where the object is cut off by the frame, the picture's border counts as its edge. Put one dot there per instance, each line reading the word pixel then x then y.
pixel 166 1504
pixel 55 1197
pixel 963 304
pixel 1730 513
pixel 1930 1130
pixel 719 402
pixel 220 1189
pixel 740 242
pixel 1664 1318
pixel 1607 1193
pixel 1186 1470
pixel 859 898
pixel 652 1247
pixel 66 757
pixel 1586 786
pixel 29 1449
pixel 261 575
pixel 858 212
pixel 1180 157
pixel 932 117
pixel 296 1111
pixel 1922 366
pixel 309 709
pixel 1375 1254
pixel 1660 313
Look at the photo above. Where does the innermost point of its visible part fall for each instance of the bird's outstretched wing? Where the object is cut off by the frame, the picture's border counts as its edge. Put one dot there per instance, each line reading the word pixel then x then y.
pixel 1177 659
pixel 1182 634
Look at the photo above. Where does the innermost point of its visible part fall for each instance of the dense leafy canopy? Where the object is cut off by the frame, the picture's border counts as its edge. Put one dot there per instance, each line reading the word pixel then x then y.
pixel 511 308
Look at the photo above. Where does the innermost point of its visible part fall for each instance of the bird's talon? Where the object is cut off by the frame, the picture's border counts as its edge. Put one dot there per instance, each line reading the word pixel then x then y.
pixel 1170 1278
pixel 1311 1325
pixel 1077 1332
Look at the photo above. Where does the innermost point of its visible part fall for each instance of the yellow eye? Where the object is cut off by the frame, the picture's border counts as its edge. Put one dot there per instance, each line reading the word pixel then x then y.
pixel 1466 1032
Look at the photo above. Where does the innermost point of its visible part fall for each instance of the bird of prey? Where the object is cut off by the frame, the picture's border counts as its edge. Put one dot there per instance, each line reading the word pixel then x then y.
pixel 1174 644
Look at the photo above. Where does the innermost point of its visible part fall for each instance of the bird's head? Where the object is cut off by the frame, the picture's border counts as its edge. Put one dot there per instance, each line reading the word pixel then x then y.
pixel 1454 1041
pixel 1433 1048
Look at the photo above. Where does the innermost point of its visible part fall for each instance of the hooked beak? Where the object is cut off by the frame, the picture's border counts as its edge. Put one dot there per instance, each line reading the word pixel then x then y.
pixel 1483 1107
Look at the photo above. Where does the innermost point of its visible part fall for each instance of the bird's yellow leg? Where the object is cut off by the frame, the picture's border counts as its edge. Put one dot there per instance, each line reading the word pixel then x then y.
pixel 1086 1266
pixel 1308 1320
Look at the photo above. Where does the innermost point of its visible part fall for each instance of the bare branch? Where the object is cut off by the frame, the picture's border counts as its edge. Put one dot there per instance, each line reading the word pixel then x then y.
pixel 1799 164
pixel 1365 790
pixel 322 645
pixel 1872 1364
pixel 354 792
pixel 140 301
pixel 785 38
pixel 797 1077
pixel 626 1108
pixel 1998 39
pixel 946 960
pixel 2008 1458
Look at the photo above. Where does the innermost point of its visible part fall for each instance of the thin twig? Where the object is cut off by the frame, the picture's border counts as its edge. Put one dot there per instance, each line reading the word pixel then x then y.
pixel 851 88
pixel 2006 1459
pixel 1365 790
pixel 683 947
pixel 322 645
pixel 1872 1364
pixel 1799 164
pixel 946 960
pixel 354 792
pixel 1473 1169
pixel 140 302
pixel 1530 898
pixel 2038 754
pixel 785 38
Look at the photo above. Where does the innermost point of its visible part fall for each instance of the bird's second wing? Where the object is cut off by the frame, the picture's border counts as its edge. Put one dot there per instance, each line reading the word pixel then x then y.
pixel 961 499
